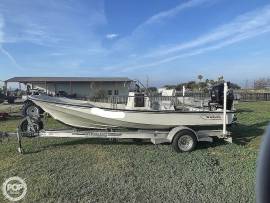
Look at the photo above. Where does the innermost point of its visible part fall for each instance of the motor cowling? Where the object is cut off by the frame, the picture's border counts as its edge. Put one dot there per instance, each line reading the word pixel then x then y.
pixel 217 96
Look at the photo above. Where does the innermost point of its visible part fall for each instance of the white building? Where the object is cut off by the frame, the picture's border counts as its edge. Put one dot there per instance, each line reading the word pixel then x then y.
pixel 81 86
pixel 166 92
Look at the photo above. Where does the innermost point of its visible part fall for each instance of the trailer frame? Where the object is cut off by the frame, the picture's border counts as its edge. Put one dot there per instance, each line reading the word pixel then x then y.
pixel 155 136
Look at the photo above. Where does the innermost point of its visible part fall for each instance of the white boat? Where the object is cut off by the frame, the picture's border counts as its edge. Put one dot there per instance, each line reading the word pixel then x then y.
pixel 137 114
pixel 140 118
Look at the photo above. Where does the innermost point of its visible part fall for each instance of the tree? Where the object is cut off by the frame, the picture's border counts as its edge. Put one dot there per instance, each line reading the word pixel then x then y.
pixel 168 87
pixel 179 87
pixel 261 83
pixel 234 86
pixel 202 85
pixel 221 78
pixel 192 85
pixel 200 77
pixel 212 82
pixel 152 89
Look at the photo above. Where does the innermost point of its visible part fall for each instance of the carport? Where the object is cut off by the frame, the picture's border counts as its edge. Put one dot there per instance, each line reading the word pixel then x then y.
pixel 81 86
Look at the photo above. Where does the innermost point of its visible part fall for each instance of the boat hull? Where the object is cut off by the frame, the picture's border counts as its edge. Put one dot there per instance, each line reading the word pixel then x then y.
pixel 94 117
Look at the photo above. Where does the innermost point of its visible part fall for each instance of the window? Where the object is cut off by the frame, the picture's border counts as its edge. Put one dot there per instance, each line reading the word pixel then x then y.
pixel 116 92
pixel 109 92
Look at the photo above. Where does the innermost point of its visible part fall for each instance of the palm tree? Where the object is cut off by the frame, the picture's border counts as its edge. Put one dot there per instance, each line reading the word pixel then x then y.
pixel 200 77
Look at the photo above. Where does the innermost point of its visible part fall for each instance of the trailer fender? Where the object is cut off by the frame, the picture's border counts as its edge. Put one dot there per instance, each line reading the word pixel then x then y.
pixel 175 130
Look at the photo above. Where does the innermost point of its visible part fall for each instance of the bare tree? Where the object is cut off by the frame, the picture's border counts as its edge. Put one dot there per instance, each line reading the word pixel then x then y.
pixel 262 83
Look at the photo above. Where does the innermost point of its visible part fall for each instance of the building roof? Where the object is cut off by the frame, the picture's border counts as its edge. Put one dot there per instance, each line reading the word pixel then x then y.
pixel 68 79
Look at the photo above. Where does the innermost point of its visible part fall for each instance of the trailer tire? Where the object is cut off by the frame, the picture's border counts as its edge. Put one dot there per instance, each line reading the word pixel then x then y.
pixel 23 126
pixel 184 141
pixel 31 110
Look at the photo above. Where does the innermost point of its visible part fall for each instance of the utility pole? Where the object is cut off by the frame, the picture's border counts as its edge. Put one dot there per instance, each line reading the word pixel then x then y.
pixel 246 85
pixel 147 81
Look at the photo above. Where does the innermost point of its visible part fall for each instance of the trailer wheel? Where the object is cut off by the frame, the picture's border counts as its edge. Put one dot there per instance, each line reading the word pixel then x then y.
pixel 31 110
pixel 24 126
pixel 184 141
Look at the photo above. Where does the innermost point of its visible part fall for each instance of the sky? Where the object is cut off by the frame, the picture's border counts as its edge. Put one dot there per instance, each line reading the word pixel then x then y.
pixel 166 41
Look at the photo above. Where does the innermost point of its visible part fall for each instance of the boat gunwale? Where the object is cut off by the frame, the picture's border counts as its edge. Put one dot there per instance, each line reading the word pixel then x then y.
pixel 128 110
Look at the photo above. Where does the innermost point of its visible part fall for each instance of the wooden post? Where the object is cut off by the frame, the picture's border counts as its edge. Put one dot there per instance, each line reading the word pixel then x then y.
pixel 90 87
pixel 46 87
pixel 5 88
pixel 225 109
pixel 183 94
pixel 54 89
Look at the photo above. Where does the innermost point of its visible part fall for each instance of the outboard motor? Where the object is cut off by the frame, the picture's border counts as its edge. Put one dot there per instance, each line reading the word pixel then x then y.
pixel 217 97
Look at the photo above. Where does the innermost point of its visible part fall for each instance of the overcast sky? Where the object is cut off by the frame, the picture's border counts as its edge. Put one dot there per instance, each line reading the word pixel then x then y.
pixel 170 41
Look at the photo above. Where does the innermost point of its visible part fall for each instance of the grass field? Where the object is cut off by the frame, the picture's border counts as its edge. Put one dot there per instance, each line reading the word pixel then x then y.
pixel 71 170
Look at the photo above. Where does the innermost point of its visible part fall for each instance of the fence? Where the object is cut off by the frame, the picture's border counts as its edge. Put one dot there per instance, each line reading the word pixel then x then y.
pixel 254 96
pixel 240 96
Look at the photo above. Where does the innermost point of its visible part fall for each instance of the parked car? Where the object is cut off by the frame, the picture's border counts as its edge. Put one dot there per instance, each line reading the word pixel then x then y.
pixel 65 94
pixel 32 92
pixel 61 94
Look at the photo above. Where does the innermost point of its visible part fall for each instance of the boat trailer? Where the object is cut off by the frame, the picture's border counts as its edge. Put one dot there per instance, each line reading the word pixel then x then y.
pixel 182 138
